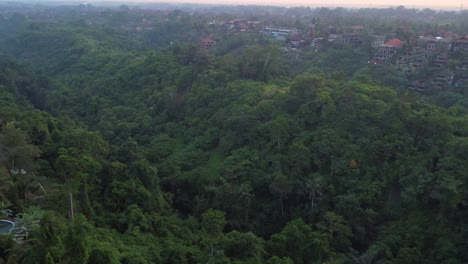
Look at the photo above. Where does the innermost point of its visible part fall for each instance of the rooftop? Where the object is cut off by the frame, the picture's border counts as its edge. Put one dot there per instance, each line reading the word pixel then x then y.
pixel 394 43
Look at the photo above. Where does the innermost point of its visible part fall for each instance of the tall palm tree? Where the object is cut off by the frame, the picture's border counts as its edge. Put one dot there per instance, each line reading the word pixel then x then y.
pixel 313 187
pixel 6 183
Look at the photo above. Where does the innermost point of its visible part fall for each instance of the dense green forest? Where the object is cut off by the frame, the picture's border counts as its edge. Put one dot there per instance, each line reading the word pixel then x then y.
pixel 114 151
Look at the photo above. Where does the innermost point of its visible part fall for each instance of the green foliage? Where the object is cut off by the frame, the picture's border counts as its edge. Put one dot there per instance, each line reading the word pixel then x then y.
pixel 4 210
pixel 183 156
pixel 244 246
pixel 16 153
pixel 101 256
pixel 259 63
pixel 213 224
pixel 301 243
pixel 307 85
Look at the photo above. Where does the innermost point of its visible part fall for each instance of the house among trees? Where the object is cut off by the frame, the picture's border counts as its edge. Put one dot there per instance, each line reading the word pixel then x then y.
pixel 296 40
pixel 430 50
pixel 243 25
pixel 412 60
pixel 463 66
pixel 444 78
pixel 377 40
pixel 431 44
pixel 279 33
pixel 207 42
pixel 439 62
pixel 335 38
pixel 318 42
pixel 461 44
pixel 387 50
pixel 353 39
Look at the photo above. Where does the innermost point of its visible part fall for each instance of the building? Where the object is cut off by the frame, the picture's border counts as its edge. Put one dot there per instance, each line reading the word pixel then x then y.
pixel 296 40
pixel 279 33
pixel 335 38
pixel 431 44
pixel 243 25
pixel 439 62
pixel 444 78
pixel 353 39
pixel 461 44
pixel 377 40
pixel 388 50
pixel 317 42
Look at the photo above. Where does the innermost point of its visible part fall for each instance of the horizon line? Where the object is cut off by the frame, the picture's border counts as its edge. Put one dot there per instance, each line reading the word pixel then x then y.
pixel 290 5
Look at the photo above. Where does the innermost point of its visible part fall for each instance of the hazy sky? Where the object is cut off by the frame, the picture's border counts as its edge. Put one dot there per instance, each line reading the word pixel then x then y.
pixel 452 4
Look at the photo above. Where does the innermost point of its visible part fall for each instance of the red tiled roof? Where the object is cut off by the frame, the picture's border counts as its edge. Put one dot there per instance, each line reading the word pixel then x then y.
pixel 462 39
pixel 394 43
pixel 207 42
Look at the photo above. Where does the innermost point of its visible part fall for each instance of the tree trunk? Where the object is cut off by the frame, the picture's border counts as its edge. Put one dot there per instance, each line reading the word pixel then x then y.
pixel 246 216
pixel 72 214
pixel 312 195
pixel 281 204
pixel 278 142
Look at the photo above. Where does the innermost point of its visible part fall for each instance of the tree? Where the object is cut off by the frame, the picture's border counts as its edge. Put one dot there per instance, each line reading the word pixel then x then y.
pixel 101 255
pixel 17 165
pixel 259 63
pixel 281 187
pixel 337 231
pixel 280 129
pixel 243 246
pixel 15 153
pixel 77 241
pixel 213 222
pixel 27 222
pixel 300 242
pixel 300 159
pixel 306 85
pixel 313 186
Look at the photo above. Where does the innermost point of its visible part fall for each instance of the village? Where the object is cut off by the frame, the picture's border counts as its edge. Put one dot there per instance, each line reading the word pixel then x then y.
pixel 443 53
pixel 430 57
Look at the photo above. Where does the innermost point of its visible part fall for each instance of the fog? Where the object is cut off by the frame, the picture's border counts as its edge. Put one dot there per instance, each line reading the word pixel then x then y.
pixel 419 4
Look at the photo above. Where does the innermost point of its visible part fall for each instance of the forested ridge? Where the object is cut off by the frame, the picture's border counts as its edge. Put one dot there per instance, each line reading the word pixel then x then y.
pixel 113 152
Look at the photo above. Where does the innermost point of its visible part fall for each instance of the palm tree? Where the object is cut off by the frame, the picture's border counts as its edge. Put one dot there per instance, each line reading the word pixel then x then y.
pixel 4 211
pixel 313 188
pixel 280 187
pixel 245 197
pixel 27 222
pixel 6 183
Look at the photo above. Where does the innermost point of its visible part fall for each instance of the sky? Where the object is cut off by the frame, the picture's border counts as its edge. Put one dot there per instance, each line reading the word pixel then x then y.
pixel 419 4
pixel 452 4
